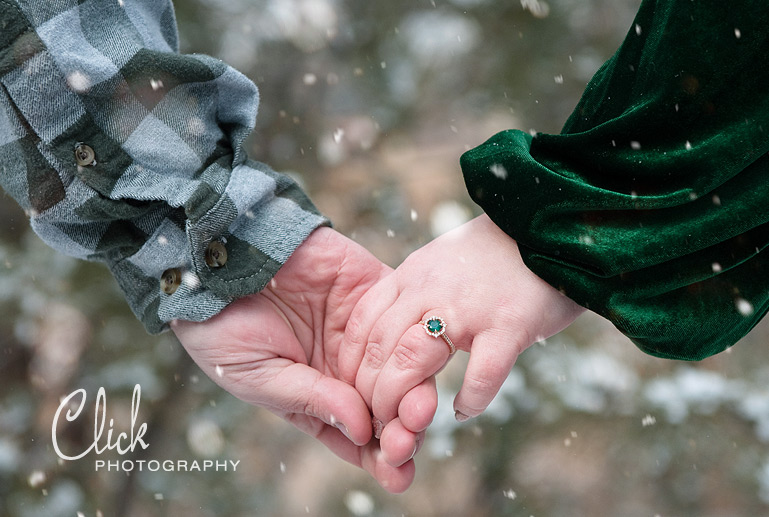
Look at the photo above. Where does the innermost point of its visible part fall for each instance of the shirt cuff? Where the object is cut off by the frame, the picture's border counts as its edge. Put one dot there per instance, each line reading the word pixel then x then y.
pixel 191 269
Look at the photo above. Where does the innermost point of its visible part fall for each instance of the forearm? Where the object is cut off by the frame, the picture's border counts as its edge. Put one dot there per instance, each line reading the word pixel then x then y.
pixel 123 151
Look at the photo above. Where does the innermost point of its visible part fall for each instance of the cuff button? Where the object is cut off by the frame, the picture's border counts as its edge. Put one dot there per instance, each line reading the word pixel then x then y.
pixel 85 155
pixel 216 254
pixel 170 280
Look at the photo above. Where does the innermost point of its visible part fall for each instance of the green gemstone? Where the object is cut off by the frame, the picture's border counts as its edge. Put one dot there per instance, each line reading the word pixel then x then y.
pixel 434 326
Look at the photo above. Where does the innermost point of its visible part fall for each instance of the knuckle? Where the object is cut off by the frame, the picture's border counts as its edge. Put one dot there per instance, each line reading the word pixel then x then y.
pixel 512 331
pixel 310 403
pixel 354 330
pixel 310 407
pixel 518 326
pixel 375 356
pixel 405 357
pixel 479 386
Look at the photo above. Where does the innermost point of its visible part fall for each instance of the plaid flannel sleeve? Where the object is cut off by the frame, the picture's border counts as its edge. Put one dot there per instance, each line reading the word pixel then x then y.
pixel 123 151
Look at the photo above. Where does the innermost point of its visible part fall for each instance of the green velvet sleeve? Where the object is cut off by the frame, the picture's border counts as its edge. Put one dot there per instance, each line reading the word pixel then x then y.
pixel 651 207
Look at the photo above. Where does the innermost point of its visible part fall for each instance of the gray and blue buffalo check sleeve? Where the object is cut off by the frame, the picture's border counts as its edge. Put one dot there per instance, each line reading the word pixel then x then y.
pixel 123 151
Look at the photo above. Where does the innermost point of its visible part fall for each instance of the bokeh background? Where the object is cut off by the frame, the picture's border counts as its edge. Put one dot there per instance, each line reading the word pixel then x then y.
pixel 369 105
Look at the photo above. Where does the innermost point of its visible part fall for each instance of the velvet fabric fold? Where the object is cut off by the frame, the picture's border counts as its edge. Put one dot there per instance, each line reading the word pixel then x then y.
pixel 651 207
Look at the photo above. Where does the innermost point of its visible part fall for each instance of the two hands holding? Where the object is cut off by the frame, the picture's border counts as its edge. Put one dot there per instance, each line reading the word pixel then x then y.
pixel 336 338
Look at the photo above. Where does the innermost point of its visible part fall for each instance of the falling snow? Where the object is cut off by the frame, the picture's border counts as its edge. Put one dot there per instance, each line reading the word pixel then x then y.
pixel 196 126
pixel 537 8
pixel 447 216
pixel 359 503
pixel 606 385
pixel 499 171
pixel 190 279
pixel 36 478
pixel 78 82
pixel 205 438
pixel 744 307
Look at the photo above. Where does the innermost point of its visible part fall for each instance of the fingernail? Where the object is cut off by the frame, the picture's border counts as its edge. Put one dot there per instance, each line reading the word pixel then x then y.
pixel 461 417
pixel 378 426
pixel 343 428
pixel 416 448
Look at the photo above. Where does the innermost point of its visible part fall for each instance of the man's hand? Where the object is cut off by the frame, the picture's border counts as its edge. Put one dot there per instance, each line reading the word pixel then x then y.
pixel 280 348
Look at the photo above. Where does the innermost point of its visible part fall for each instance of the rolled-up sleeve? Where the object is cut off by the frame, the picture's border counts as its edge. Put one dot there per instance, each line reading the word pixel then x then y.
pixel 651 207
pixel 122 150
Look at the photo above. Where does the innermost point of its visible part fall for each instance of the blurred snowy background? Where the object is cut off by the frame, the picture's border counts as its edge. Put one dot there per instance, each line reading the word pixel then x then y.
pixel 369 105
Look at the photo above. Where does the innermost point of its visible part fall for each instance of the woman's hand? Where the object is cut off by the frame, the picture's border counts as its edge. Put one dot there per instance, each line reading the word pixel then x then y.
pixel 494 307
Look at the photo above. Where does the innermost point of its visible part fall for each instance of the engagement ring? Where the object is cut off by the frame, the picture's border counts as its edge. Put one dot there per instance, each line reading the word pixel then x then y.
pixel 435 326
